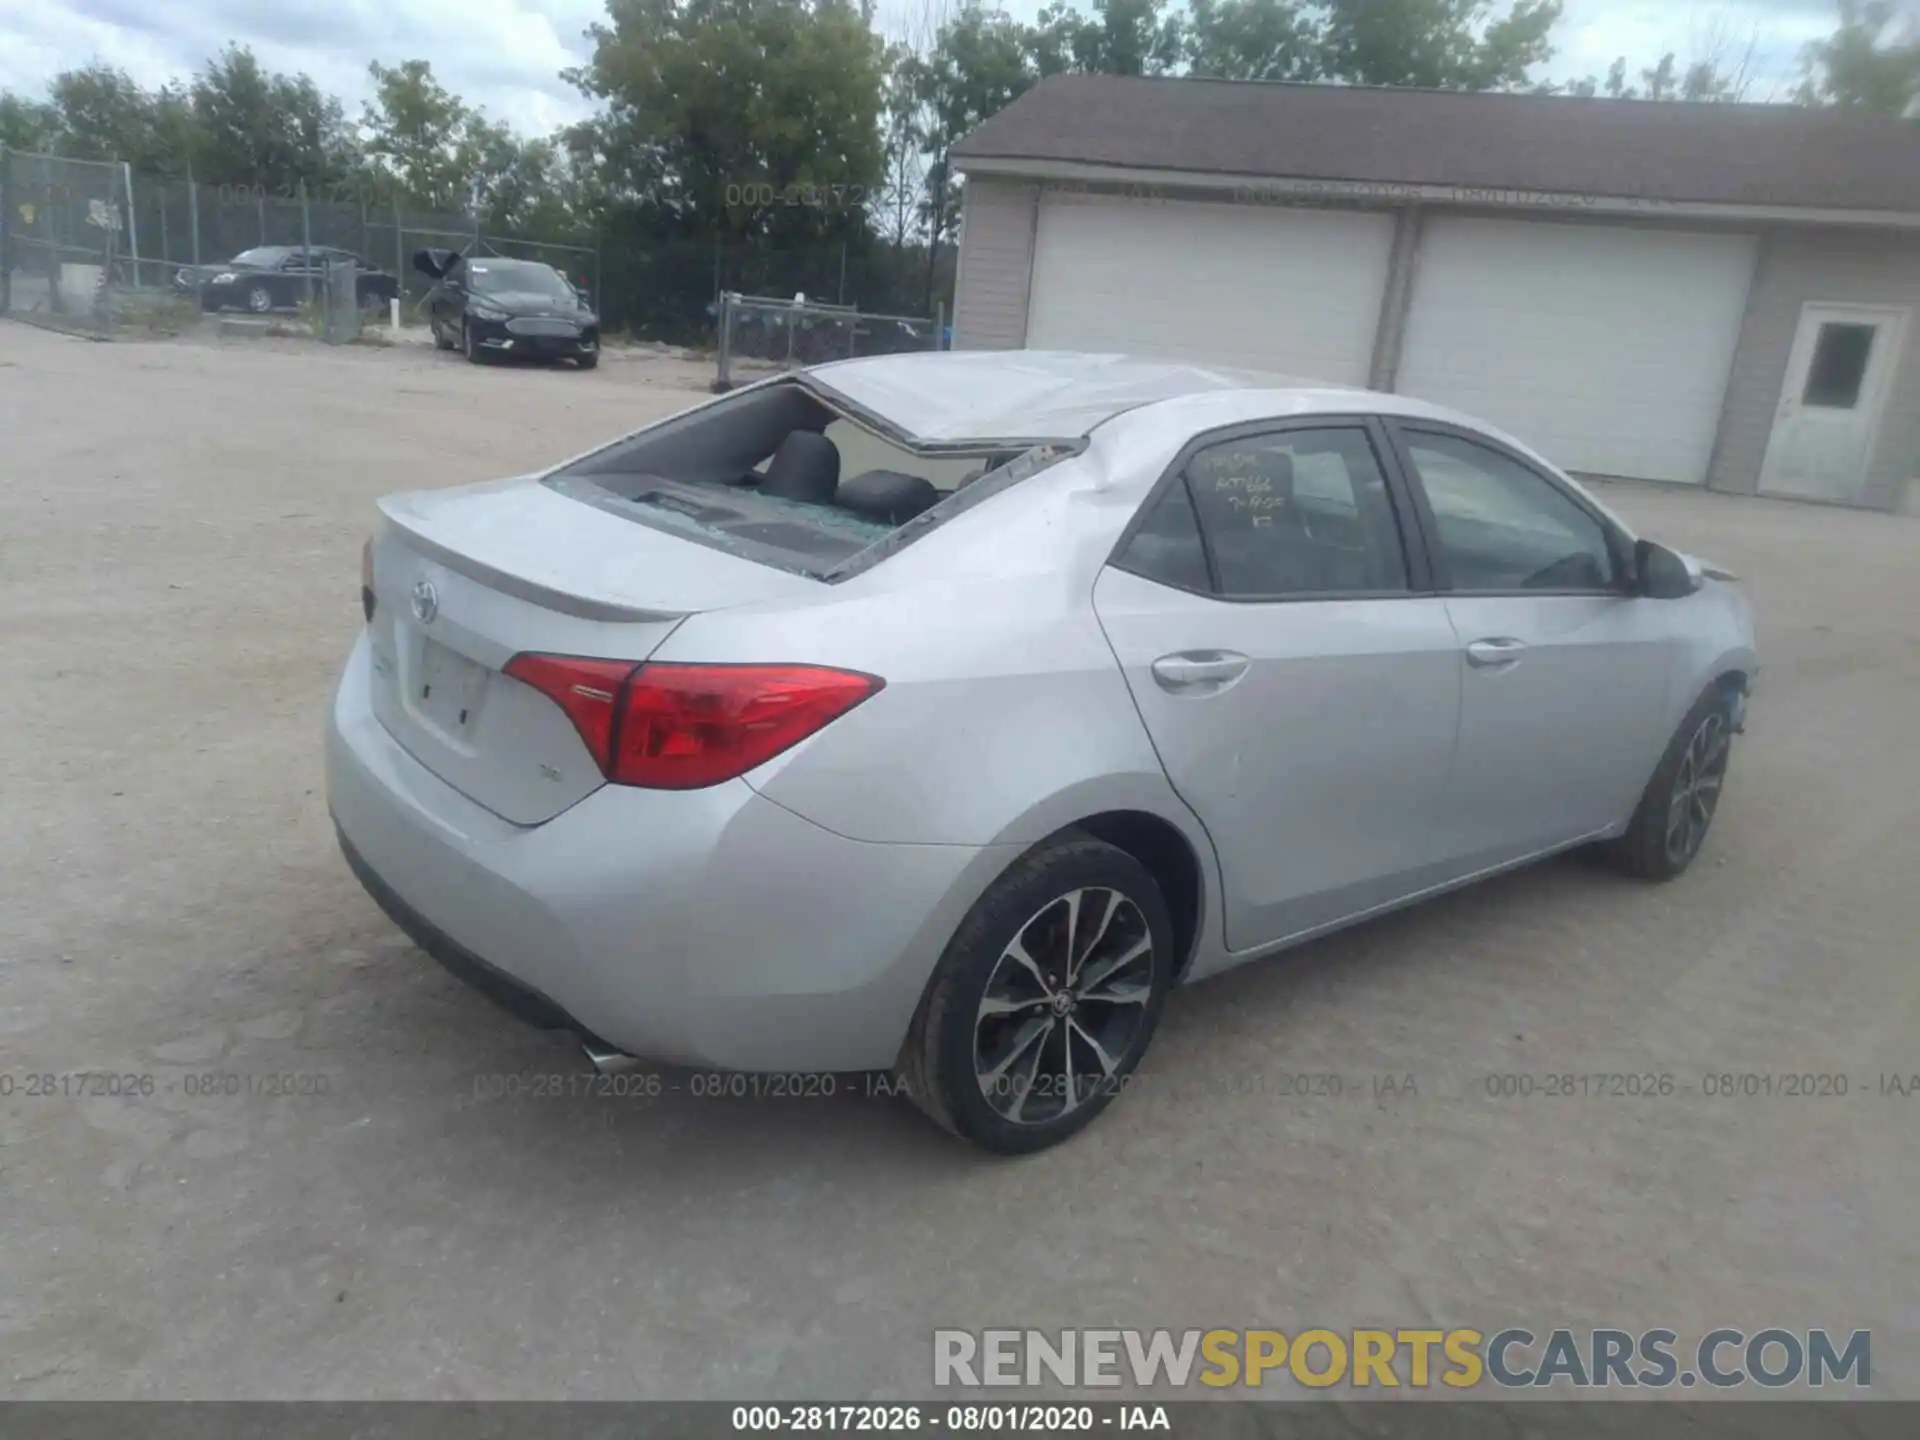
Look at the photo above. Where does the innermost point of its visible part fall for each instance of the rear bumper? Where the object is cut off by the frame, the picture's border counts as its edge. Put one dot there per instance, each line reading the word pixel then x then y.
pixel 702 927
pixel 521 1001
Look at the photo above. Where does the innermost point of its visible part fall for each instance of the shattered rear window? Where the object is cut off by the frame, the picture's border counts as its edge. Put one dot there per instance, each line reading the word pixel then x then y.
pixel 701 477
pixel 1023 466
pixel 788 534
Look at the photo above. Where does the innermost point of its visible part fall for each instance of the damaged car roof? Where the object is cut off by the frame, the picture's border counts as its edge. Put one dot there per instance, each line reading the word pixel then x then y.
pixel 961 396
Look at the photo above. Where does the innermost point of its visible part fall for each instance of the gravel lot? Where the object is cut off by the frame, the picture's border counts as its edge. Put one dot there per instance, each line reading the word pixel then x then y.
pixel 180 528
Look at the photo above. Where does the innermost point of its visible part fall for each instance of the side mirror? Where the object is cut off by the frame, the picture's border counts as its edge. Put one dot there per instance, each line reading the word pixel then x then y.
pixel 1663 574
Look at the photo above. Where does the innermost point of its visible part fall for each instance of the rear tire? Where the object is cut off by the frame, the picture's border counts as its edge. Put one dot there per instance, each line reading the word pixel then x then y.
pixel 1045 999
pixel 1675 812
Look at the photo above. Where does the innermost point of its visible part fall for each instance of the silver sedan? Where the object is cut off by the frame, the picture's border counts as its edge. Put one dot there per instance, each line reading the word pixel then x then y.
pixel 941 713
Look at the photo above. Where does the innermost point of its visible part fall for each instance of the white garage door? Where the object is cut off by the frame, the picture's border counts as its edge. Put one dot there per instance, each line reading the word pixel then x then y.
pixel 1288 290
pixel 1605 348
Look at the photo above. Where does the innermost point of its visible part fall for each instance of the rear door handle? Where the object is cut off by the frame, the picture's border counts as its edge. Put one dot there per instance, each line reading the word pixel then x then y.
pixel 1501 653
pixel 1199 672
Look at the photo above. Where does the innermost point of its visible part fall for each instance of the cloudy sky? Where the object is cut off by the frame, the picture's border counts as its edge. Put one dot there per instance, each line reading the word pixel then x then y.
pixel 506 54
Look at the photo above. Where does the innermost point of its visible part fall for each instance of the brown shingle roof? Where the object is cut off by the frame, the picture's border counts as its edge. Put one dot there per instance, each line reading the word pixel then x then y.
pixel 1700 153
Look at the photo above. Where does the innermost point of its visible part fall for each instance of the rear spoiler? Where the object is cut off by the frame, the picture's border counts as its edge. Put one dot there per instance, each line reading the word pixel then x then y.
pixel 551 597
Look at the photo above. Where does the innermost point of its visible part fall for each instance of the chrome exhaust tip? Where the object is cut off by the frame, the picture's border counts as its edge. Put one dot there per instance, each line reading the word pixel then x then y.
pixel 607 1060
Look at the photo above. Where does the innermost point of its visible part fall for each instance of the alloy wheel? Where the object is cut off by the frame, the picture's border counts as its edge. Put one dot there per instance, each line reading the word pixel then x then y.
pixel 1696 788
pixel 259 300
pixel 1064 1006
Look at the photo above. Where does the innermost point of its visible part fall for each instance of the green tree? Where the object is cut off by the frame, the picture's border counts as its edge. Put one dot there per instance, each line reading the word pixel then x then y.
pixel 1443 44
pixel 26 124
pixel 422 137
pixel 1252 40
pixel 1872 62
pixel 176 133
pixel 99 113
pixel 705 98
pixel 1120 37
pixel 1721 70
pixel 256 128
pixel 317 138
pixel 1438 44
pixel 526 186
pixel 981 62
pixel 1614 87
pixel 903 171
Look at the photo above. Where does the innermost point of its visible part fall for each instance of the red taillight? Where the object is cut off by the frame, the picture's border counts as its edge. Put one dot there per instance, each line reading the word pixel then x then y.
pixel 588 690
pixel 683 727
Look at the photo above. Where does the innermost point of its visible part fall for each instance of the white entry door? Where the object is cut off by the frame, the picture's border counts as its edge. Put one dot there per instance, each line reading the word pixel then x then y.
pixel 1838 375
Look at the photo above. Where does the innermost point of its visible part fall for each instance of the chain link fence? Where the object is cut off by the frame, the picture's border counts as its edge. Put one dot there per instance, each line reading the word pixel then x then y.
pixel 62 261
pixel 758 334
pixel 340 306
pixel 93 247
pixel 191 228
pixel 668 288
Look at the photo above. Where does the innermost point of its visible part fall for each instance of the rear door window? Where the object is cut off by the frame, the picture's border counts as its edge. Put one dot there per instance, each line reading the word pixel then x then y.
pixel 1166 548
pixel 1298 513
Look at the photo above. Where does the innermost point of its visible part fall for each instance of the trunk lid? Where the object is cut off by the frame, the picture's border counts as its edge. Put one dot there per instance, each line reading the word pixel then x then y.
pixel 466 579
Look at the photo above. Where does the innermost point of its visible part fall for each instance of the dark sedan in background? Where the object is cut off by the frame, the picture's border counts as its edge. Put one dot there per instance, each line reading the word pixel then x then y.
pixel 490 307
pixel 275 277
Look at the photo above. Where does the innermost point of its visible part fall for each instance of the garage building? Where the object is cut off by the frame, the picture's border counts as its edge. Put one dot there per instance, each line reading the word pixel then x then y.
pixel 1715 295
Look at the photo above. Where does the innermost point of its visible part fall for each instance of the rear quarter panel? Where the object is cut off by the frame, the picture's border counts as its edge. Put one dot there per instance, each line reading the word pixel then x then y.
pixel 1002 699
pixel 1004 716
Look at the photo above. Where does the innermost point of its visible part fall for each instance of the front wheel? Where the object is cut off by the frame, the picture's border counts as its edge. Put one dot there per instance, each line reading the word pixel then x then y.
pixel 1045 999
pixel 587 362
pixel 468 345
pixel 1677 808
pixel 259 299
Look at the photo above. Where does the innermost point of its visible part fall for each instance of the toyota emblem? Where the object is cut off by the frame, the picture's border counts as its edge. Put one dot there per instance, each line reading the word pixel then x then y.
pixel 426 601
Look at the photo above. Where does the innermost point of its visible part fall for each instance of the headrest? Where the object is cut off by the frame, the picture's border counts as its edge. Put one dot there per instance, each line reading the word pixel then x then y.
pixel 805 467
pixel 1277 466
pixel 887 495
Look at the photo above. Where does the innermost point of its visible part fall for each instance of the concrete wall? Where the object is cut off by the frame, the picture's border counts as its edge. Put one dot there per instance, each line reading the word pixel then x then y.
pixel 996 263
pixel 1801 265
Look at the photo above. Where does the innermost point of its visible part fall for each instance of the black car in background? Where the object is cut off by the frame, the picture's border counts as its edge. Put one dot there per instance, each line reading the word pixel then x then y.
pixel 275 277
pixel 491 307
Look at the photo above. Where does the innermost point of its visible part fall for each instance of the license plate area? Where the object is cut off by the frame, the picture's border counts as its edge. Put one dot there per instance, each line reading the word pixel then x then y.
pixel 447 689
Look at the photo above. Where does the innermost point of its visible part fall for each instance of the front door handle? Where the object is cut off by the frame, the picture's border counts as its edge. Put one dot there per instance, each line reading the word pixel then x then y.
pixel 1501 653
pixel 1199 672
